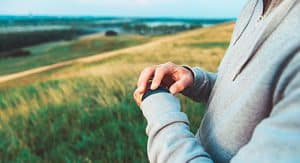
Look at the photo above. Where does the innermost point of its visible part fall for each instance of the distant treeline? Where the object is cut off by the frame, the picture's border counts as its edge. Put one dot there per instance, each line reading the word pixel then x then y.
pixel 90 20
pixel 144 29
pixel 13 41
pixel 47 20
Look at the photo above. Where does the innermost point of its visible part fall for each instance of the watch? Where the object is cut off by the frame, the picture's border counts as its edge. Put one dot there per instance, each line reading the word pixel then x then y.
pixel 151 92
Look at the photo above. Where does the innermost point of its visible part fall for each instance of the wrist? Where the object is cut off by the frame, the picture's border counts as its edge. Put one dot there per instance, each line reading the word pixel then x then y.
pixel 159 102
pixel 199 81
pixel 152 92
pixel 190 86
pixel 190 69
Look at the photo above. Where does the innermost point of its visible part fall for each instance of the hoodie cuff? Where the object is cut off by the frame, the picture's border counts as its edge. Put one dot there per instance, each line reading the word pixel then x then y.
pixel 200 80
pixel 158 104
pixel 162 108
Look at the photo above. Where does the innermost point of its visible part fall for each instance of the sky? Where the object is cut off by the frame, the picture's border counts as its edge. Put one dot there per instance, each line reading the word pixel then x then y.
pixel 125 8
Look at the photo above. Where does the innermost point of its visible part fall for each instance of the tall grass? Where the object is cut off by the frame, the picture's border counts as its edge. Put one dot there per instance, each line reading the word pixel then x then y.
pixel 75 120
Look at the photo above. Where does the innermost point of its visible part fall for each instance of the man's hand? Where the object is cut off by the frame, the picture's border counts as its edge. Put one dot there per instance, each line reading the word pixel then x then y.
pixel 176 78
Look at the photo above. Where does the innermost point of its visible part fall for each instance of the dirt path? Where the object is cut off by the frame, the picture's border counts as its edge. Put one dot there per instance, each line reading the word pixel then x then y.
pixel 83 60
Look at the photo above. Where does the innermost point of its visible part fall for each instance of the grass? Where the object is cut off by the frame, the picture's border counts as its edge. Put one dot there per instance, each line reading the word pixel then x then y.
pixel 208 45
pixel 85 112
pixel 52 53
pixel 94 124
pixel 81 129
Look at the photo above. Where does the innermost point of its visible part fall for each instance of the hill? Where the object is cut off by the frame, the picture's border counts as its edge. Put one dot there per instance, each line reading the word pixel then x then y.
pixel 56 52
pixel 84 111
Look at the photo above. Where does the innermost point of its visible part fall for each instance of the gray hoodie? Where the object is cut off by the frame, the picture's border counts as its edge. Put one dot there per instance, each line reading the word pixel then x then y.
pixel 253 101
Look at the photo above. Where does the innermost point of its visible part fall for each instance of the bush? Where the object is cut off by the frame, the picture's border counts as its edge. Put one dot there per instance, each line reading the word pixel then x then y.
pixel 111 33
pixel 12 41
pixel 15 53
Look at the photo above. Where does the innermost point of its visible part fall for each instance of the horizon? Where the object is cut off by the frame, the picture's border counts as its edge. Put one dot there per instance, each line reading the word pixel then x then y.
pixel 215 9
pixel 116 17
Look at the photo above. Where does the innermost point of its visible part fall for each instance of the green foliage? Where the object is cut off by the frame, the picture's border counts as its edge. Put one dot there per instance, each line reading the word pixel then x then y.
pixel 82 128
pixel 71 132
pixel 11 41
pixel 209 45
pixel 145 29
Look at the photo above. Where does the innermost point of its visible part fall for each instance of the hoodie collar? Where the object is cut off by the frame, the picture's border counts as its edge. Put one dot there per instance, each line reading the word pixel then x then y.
pixel 269 5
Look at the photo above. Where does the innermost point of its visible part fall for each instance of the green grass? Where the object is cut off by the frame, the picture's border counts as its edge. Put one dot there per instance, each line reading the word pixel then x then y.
pixel 88 126
pixel 209 45
pixel 52 53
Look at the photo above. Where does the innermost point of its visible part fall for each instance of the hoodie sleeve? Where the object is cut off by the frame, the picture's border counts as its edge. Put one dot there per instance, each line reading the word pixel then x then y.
pixel 203 84
pixel 170 139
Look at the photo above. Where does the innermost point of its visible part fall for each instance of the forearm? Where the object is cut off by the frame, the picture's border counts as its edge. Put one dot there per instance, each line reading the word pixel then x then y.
pixel 170 139
pixel 203 84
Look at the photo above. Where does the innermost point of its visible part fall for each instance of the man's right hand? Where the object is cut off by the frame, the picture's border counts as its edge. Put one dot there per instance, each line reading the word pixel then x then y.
pixel 169 75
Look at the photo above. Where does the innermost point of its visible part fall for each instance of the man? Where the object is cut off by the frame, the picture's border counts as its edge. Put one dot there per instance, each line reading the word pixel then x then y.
pixel 253 102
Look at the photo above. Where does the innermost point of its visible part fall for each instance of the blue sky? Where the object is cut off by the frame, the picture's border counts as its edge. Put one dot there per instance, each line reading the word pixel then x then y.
pixel 142 8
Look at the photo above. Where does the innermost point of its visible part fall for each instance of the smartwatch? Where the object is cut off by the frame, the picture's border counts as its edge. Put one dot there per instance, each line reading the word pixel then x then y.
pixel 151 92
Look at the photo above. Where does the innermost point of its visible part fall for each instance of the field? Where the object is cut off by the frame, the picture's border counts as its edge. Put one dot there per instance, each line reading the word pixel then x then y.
pixel 17 32
pixel 51 53
pixel 84 112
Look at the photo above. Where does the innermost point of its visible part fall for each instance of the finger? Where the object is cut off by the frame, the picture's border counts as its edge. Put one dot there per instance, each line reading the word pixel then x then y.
pixel 137 97
pixel 167 81
pixel 159 74
pixel 178 86
pixel 144 78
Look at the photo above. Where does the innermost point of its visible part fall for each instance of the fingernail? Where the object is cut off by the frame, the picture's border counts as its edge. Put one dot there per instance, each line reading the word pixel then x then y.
pixel 153 86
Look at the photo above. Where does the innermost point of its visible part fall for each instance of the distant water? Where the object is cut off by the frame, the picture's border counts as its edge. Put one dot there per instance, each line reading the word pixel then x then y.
pixel 31 28
pixel 11 24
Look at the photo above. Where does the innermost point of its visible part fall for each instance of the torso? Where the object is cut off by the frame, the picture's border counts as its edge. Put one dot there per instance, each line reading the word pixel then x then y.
pixel 237 105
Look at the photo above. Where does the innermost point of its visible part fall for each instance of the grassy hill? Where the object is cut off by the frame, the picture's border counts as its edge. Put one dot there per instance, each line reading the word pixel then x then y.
pixel 84 111
pixel 51 53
